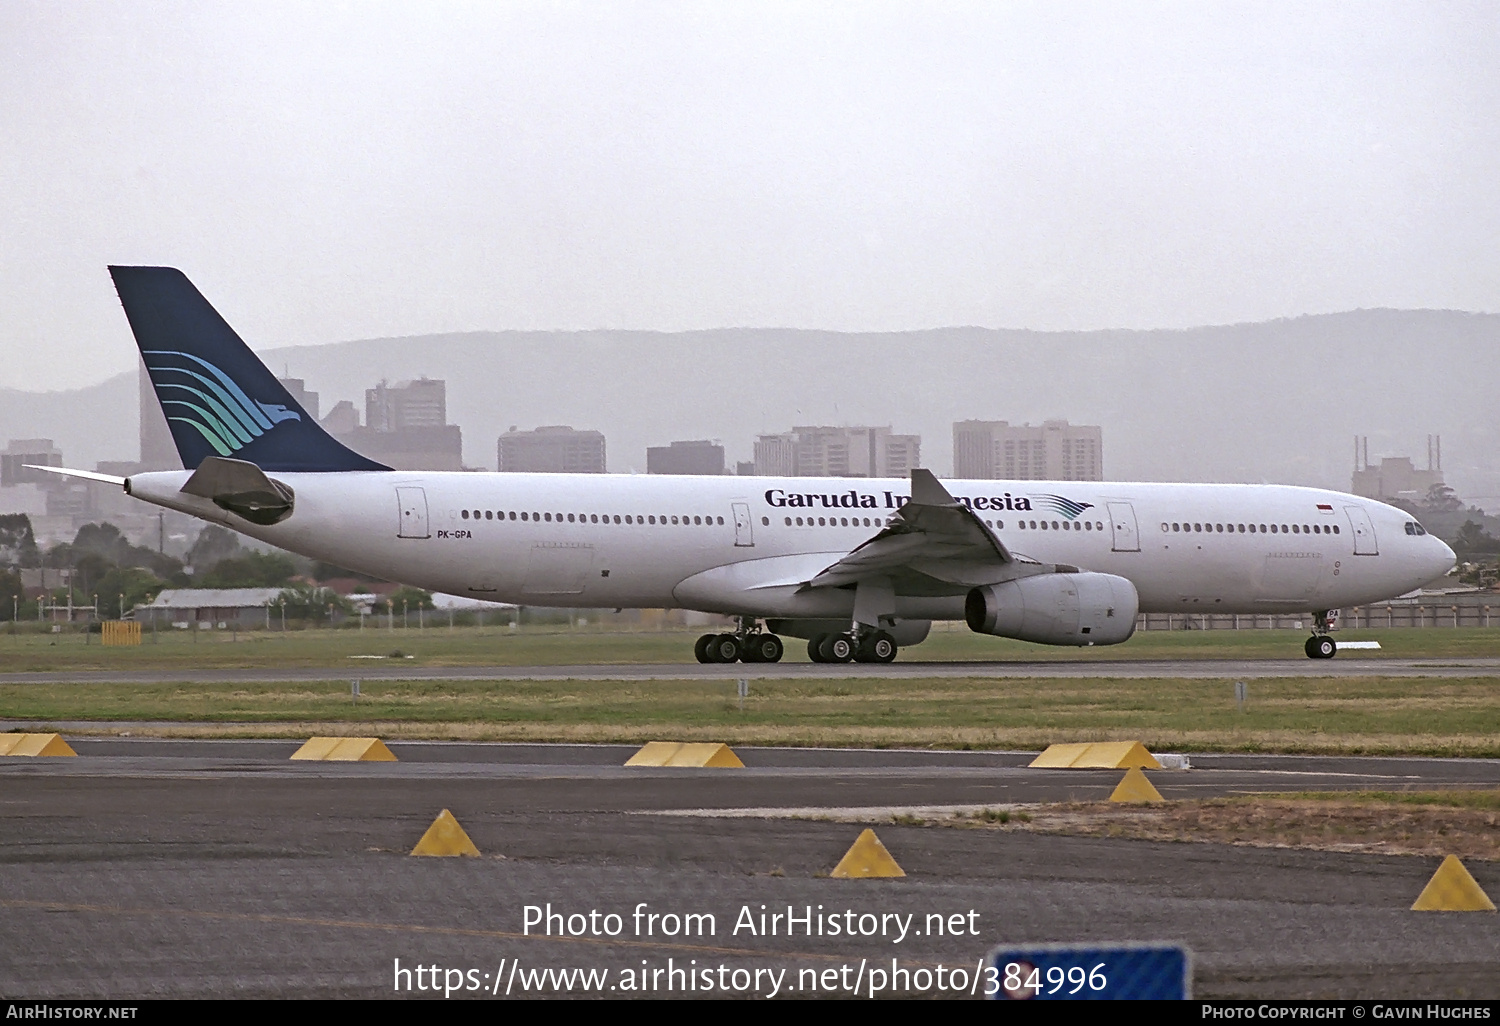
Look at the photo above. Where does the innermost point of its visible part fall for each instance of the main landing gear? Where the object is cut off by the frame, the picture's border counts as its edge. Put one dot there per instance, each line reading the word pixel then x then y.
pixel 868 647
pixel 749 644
pixel 1320 645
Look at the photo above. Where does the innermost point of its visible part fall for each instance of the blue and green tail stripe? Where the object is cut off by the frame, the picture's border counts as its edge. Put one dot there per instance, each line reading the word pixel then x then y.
pixel 213 404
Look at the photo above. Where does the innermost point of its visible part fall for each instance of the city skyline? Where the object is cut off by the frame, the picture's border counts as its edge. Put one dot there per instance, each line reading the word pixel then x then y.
pixel 1244 418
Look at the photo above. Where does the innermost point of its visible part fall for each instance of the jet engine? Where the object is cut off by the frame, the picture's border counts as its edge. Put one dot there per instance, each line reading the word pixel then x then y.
pixel 1056 609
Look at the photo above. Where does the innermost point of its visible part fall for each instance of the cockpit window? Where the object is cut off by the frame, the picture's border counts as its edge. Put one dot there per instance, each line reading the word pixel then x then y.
pixel 1414 528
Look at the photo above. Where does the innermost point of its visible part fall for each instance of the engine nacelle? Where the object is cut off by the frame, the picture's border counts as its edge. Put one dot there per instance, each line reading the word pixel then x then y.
pixel 1056 609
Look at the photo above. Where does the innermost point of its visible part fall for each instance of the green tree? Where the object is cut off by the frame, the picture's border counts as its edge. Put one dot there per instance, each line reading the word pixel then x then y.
pixel 1442 499
pixel 251 570
pixel 137 584
pixel 214 545
pixel 17 541
pixel 308 602
pixel 11 593
pixel 1473 537
pixel 414 599
pixel 97 548
pixel 323 571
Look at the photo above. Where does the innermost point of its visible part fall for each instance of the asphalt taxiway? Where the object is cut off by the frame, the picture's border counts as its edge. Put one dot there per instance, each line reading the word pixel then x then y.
pixel 1354 665
pixel 220 868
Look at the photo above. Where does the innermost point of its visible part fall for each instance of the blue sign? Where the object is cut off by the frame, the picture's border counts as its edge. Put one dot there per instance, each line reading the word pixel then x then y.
pixel 1115 972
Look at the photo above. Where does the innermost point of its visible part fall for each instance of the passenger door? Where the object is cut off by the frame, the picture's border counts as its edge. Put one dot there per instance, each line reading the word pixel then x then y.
pixel 1364 531
pixel 1123 527
pixel 744 535
pixel 412 503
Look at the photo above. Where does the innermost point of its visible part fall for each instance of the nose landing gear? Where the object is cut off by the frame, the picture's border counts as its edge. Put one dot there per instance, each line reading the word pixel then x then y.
pixel 1320 645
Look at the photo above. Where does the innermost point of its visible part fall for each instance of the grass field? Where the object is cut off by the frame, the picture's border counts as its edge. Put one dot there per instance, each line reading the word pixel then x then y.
pixel 1362 715
pixel 30 651
pixel 1432 823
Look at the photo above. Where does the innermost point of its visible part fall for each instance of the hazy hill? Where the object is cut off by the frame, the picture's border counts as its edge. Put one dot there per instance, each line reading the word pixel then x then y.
pixel 1278 401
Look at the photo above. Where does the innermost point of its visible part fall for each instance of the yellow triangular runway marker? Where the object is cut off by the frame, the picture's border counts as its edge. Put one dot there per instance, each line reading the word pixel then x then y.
pixel 866 857
pixel 445 837
pixel 1135 788
pixel 1452 889
pixel 708 755
pixel 1060 756
pixel 1096 755
pixel 34 744
pixel 360 749
pixel 344 749
pixel 1116 755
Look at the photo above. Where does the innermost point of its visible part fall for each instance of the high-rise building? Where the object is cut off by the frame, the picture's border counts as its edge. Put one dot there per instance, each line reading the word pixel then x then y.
pixel 837 452
pixel 1053 451
pixel 550 450
pixel 696 457
pixel 297 389
pixel 38 452
pixel 406 425
pixel 407 404
pixel 343 419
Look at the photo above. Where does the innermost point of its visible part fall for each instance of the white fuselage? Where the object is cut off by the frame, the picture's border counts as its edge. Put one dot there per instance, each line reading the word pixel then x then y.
pixel 735 544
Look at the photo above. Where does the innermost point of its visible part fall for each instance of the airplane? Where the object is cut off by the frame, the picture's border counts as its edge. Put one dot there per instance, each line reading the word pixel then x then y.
pixel 859 568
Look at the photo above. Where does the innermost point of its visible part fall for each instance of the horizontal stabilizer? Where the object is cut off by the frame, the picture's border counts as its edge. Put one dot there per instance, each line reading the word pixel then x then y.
pixel 87 475
pixel 241 488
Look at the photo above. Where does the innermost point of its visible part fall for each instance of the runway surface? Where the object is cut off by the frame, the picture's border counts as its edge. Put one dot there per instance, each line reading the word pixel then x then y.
pixel 1248 669
pixel 219 868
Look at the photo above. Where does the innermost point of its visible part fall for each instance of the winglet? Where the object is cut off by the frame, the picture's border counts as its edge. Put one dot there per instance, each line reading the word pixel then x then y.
pixel 926 491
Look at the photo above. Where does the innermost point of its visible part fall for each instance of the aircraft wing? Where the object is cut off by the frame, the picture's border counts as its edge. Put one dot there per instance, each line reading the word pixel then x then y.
pixel 934 536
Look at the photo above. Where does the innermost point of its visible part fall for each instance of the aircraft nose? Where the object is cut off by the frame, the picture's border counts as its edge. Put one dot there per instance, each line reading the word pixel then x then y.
pixel 1443 557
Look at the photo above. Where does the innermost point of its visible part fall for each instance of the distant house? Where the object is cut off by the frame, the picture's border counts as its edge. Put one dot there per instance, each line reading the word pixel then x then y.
pixel 232 607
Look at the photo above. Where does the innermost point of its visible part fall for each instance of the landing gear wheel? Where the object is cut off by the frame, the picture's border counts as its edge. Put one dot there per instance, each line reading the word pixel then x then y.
pixel 762 648
pixel 724 648
pixel 1321 646
pixel 749 651
pixel 815 648
pixel 879 647
pixel 836 648
pixel 700 647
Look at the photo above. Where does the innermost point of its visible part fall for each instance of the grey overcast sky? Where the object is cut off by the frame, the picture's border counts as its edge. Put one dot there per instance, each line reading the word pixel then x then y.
pixel 333 171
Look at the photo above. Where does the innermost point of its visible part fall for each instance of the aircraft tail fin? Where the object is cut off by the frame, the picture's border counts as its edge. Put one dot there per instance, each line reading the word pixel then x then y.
pixel 219 399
